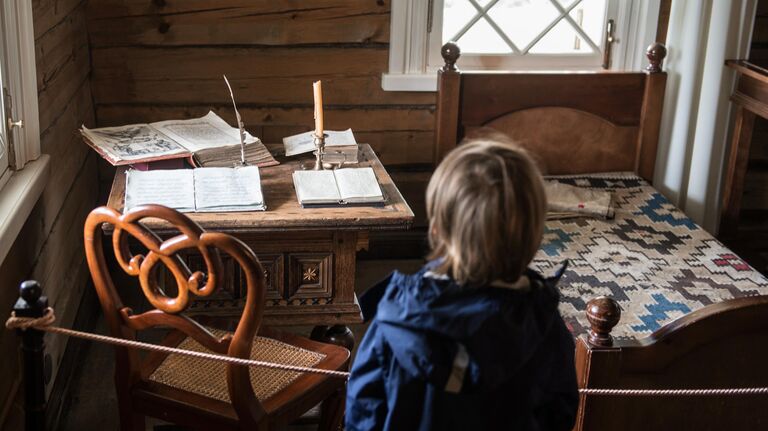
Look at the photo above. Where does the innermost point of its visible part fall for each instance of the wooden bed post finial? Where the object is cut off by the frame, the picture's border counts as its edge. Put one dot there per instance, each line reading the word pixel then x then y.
pixel 603 314
pixel 655 53
pixel 450 52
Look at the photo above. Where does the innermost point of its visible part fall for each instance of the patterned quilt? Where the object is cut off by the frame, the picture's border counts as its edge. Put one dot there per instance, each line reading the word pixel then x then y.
pixel 651 258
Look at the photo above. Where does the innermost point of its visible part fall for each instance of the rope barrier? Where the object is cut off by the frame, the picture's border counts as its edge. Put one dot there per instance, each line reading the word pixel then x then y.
pixel 675 392
pixel 45 323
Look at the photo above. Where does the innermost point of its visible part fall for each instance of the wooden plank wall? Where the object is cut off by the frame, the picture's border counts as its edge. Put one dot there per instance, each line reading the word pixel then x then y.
pixel 163 59
pixel 50 245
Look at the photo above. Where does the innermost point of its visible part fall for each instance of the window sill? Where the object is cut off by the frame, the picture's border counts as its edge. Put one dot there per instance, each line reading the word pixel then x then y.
pixel 17 198
pixel 409 82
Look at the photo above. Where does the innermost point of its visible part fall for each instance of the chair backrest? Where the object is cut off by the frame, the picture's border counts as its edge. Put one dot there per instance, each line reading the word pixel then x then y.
pixel 572 122
pixel 167 253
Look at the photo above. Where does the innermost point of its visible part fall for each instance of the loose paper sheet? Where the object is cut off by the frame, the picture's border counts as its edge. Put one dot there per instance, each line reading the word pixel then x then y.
pixel 304 142
pixel 234 189
pixel 172 188
pixel 358 185
pixel 210 131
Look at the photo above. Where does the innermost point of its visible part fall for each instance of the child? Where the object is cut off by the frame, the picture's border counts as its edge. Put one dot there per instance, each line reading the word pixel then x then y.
pixel 473 341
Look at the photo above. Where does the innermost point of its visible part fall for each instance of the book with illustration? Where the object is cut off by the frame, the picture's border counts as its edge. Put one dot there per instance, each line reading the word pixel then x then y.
pixel 208 138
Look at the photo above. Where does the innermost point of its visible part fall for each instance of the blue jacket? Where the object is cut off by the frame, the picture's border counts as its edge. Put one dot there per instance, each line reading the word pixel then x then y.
pixel 441 357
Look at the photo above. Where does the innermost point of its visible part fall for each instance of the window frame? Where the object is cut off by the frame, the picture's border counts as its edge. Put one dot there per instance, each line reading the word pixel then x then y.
pixel 21 80
pixel 414 58
pixel 23 182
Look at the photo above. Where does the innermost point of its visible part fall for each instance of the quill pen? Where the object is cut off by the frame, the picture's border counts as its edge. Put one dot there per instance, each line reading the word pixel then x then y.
pixel 239 122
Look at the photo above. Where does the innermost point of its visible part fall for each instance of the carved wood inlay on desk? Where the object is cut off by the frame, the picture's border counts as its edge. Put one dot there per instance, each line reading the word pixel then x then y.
pixel 308 254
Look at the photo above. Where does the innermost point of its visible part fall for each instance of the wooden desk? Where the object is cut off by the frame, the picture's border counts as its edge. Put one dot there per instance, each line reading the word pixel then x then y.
pixel 308 254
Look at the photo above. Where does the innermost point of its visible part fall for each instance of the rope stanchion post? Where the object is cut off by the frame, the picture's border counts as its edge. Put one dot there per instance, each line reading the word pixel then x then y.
pixel 33 305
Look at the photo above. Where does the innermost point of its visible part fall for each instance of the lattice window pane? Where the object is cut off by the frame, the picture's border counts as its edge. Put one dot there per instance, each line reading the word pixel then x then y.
pixel 521 27
pixel 562 39
pixel 590 15
pixel 523 20
pixel 481 37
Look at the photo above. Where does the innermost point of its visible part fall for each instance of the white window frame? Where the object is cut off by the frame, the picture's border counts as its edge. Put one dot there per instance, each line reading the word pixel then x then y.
pixel 22 184
pixel 410 48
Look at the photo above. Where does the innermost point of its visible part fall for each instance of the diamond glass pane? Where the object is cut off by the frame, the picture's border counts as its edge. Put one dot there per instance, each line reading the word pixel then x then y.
pixel 523 20
pixel 456 14
pixel 562 39
pixel 590 15
pixel 482 38
pixel 566 3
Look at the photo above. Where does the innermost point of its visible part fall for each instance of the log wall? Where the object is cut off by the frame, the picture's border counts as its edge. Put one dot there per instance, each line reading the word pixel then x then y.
pixel 50 245
pixel 163 59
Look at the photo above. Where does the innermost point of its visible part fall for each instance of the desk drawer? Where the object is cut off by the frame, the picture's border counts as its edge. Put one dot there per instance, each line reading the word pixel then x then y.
pixel 310 277
pixel 234 283
pixel 274 272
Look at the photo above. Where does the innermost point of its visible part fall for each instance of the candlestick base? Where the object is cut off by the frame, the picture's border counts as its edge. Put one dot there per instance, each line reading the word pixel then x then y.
pixel 317 165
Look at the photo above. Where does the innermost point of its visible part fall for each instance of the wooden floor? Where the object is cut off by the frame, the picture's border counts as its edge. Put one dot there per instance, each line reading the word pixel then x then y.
pixel 90 402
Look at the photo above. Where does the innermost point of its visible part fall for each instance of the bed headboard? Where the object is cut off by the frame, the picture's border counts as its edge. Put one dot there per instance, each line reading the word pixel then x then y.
pixel 576 122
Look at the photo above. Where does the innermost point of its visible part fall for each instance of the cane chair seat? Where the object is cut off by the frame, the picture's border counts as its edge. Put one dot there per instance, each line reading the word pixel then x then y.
pixel 208 378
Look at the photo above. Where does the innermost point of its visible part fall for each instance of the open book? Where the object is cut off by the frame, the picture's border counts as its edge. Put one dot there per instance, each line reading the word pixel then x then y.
pixel 337 187
pixel 142 143
pixel 196 190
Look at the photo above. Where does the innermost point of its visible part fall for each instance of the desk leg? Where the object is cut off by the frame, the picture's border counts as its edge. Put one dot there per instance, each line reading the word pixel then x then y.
pixel 340 335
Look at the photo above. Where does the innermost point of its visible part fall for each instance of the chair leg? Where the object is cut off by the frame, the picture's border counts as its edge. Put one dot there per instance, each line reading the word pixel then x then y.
pixel 332 411
pixel 130 421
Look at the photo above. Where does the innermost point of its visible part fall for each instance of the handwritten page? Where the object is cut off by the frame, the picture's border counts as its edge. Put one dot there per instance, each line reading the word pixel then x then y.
pixel 304 142
pixel 358 185
pixel 316 187
pixel 210 131
pixel 172 188
pixel 228 189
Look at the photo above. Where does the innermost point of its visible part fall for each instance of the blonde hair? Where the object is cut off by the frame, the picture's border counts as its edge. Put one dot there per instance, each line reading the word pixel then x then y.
pixel 486 208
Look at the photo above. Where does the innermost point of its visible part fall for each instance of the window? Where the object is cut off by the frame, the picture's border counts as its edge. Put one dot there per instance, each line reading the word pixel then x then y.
pixel 20 126
pixel 23 171
pixel 516 35
pixel 4 143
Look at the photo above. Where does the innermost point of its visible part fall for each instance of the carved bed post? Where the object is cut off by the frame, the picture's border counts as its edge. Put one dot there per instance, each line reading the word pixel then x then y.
pixel 650 117
pixel 603 314
pixel 448 87
pixel 597 359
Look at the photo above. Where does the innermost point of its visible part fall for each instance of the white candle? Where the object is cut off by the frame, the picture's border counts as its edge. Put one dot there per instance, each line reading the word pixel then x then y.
pixel 318 91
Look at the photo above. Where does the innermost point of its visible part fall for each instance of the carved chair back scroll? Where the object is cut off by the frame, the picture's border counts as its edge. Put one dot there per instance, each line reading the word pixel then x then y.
pixel 147 267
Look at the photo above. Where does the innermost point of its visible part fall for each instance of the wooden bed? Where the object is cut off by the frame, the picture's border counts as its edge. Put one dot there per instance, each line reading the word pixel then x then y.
pixel 581 124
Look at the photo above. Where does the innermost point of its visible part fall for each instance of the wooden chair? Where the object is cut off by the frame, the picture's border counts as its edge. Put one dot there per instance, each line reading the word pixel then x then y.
pixel 573 123
pixel 193 392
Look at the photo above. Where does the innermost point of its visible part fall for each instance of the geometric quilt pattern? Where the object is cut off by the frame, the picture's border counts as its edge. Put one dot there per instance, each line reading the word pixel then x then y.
pixel 651 258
